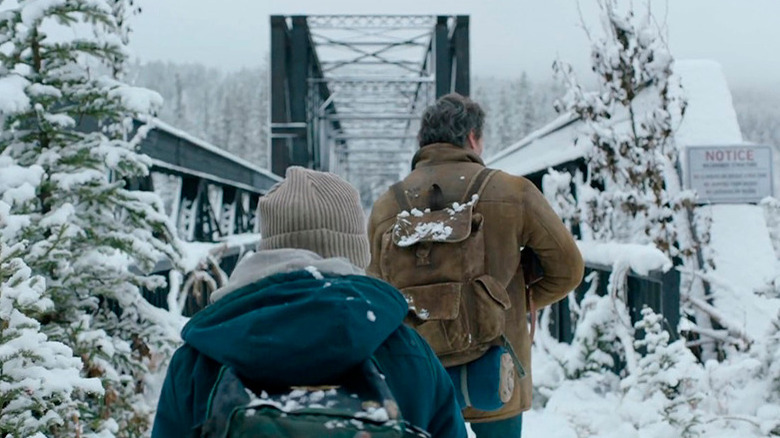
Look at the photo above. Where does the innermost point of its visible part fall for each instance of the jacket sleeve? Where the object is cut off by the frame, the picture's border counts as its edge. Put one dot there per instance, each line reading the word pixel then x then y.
pixel 544 232
pixel 174 417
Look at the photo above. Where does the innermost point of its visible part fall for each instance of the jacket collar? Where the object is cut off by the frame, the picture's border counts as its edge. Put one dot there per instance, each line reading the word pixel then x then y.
pixel 270 262
pixel 442 153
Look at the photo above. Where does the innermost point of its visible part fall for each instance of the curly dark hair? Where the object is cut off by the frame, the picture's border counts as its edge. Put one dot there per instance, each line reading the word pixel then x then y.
pixel 450 120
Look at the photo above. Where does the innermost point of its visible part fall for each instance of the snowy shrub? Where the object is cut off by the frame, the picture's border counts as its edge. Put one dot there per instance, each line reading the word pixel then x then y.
pixel 629 162
pixel 556 187
pixel 595 347
pixel 665 381
pixel 633 191
pixel 772 215
pixel 773 359
pixel 68 132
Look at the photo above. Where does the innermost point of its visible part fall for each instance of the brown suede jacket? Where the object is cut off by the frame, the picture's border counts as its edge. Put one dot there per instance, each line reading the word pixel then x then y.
pixel 516 215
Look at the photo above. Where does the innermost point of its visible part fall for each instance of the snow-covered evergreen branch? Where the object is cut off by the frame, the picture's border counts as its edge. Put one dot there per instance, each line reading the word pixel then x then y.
pixel 67 129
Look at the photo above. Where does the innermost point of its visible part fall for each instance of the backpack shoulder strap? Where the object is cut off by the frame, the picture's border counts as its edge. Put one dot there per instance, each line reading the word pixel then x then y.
pixel 376 379
pixel 400 196
pixel 227 393
pixel 374 374
pixel 478 183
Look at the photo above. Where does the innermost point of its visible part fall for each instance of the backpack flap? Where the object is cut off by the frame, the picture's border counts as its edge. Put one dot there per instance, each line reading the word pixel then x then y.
pixel 228 394
pixel 448 225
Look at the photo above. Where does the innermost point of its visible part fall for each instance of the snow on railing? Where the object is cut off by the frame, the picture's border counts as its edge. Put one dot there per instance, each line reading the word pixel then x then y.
pixel 639 258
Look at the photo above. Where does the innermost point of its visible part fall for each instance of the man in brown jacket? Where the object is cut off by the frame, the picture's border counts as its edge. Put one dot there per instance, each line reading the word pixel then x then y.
pixel 515 215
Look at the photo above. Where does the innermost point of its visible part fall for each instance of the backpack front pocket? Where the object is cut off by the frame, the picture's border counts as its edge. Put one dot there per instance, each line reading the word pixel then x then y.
pixel 438 313
pixel 491 301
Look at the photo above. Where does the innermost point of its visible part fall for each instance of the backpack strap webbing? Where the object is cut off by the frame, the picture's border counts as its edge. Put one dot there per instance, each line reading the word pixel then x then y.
pixel 375 378
pixel 478 183
pixel 400 196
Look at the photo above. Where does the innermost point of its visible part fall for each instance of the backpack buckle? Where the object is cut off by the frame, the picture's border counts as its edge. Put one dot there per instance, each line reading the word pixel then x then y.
pixel 423 253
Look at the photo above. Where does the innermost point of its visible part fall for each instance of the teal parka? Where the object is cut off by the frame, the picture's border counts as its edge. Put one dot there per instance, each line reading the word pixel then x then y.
pixel 305 327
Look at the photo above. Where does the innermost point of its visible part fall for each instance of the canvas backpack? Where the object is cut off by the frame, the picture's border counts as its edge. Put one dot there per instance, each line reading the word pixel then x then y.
pixel 436 258
pixel 359 406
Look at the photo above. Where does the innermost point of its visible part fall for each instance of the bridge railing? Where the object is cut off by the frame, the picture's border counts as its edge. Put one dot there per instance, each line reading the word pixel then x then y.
pixel 226 256
pixel 208 192
pixel 657 290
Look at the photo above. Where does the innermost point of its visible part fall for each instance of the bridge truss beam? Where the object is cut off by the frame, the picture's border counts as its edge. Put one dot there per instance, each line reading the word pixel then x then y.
pixel 359 82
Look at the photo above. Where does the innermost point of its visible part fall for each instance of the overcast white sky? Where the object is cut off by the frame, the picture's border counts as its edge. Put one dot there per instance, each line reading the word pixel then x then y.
pixel 507 36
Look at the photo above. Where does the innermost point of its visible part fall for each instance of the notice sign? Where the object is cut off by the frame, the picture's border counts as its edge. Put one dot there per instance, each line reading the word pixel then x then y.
pixel 731 174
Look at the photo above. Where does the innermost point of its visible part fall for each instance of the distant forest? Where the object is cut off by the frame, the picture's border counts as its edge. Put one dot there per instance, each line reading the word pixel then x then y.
pixel 230 110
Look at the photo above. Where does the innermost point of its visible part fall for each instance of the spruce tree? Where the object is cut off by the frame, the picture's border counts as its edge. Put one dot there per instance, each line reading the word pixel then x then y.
pixel 90 238
pixel 38 377
pixel 595 346
pixel 527 106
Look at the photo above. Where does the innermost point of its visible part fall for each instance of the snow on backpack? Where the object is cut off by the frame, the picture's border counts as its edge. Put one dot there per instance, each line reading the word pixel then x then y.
pixel 436 258
pixel 360 406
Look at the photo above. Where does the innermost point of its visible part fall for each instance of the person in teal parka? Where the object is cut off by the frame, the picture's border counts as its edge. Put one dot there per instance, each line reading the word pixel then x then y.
pixel 300 311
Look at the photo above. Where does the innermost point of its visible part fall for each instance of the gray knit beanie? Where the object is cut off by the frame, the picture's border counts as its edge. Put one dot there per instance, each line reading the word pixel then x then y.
pixel 317 211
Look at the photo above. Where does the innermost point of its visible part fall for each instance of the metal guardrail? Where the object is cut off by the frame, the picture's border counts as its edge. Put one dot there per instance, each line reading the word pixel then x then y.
pixel 658 290
pixel 177 152
pixel 218 193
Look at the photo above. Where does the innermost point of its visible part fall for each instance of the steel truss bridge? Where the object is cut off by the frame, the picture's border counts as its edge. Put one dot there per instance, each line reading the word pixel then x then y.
pixel 347 91
pixel 209 193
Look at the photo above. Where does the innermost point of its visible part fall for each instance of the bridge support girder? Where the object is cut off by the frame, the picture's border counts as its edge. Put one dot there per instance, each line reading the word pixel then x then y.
pixel 451 52
pixel 342 82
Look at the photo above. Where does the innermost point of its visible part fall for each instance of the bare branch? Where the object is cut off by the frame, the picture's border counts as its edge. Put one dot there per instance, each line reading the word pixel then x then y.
pixel 715 314
pixel 582 21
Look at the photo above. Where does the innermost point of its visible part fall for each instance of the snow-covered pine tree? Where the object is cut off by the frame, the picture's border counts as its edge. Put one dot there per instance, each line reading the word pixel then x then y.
pixel 85 229
pixel 261 119
pixel 38 377
pixel 527 106
pixel 507 116
pixel 483 96
pixel 595 346
pixel 772 363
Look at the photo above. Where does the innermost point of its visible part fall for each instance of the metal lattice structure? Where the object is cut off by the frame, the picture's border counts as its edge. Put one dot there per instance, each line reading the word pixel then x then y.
pixel 209 193
pixel 347 91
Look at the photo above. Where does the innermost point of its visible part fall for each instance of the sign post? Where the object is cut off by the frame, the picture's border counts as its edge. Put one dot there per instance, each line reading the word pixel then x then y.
pixel 730 174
